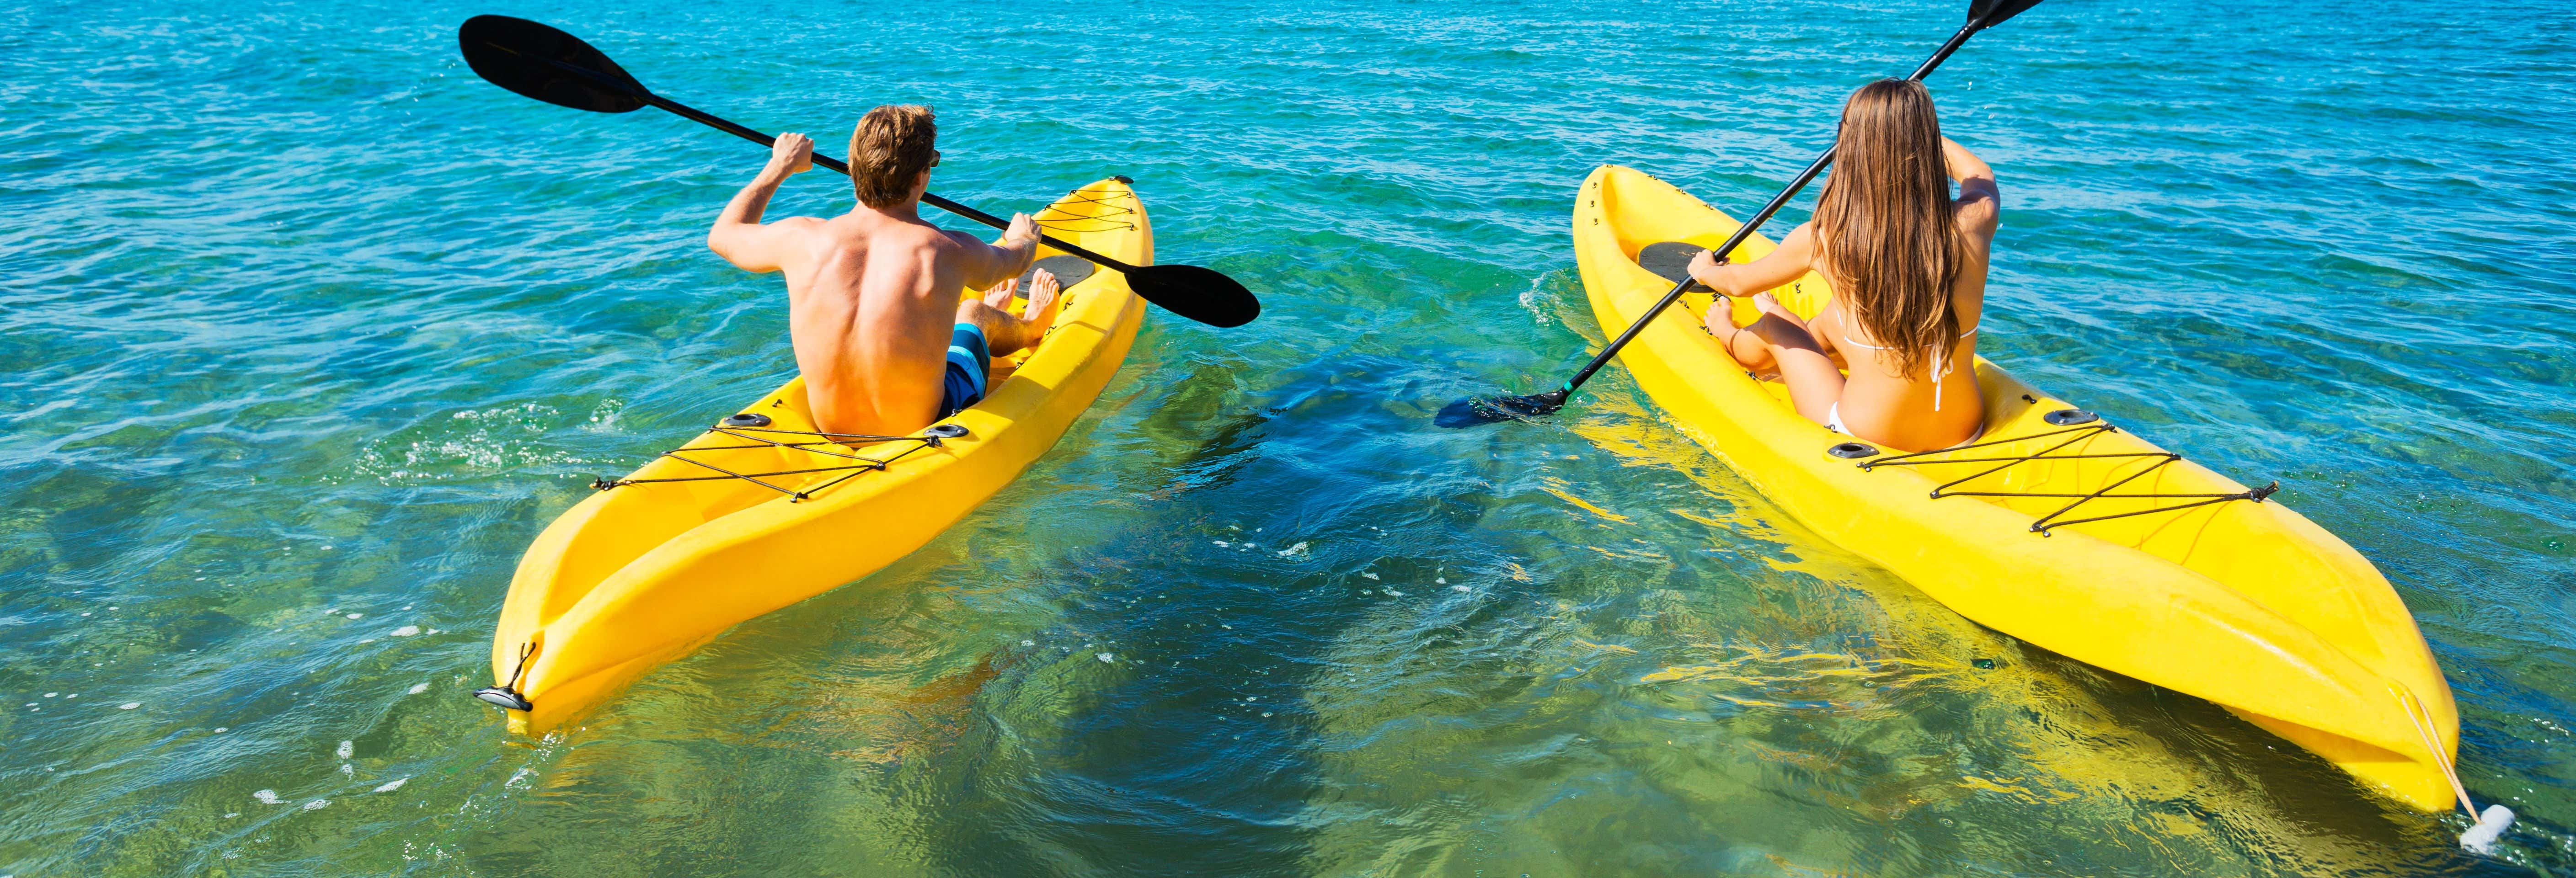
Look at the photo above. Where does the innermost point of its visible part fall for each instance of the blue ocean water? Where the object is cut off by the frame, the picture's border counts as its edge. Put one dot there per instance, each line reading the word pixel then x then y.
pixel 305 332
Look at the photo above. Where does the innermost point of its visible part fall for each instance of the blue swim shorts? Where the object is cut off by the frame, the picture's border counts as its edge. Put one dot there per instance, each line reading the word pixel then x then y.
pixel 969 364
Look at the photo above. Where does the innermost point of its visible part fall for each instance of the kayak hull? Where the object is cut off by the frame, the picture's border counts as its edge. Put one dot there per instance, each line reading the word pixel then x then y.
pixel 2242 602
pixel 648 570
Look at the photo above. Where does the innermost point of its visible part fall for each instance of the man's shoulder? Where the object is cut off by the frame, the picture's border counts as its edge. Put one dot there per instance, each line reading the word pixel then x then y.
pixel 881 231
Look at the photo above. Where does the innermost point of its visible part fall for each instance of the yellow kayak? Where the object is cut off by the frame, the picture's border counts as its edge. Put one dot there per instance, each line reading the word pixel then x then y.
pixel 2056 527
pixel 762 512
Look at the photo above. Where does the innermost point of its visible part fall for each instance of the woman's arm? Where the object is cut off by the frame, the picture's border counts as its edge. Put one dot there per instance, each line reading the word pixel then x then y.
pixel 1787 262
pixel 1980 201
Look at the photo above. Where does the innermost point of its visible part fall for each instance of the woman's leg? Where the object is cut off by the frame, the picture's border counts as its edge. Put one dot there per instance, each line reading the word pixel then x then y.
pixel 1814 384
pixel 1748 349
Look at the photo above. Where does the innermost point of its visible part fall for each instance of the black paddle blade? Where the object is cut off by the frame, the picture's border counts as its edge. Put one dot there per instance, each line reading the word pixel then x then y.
pixel 1988 13
pixel 547 64
pixel 1202 294
pixel 1477 410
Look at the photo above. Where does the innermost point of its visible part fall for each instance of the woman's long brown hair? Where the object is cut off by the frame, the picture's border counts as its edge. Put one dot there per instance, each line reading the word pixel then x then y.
pixel 1885 226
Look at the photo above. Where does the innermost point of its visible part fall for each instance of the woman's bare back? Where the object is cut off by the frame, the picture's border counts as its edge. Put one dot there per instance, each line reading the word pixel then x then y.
pixel 1934 405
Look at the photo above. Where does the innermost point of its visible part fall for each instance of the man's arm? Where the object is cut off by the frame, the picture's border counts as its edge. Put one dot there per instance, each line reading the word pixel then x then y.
pixel 995 263
pixel 738 235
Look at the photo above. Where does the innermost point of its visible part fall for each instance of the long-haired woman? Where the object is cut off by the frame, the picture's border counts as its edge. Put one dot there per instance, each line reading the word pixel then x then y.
pixel 1908 265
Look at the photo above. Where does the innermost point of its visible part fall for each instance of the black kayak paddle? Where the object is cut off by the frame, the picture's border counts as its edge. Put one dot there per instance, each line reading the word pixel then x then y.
pixel 558 68
pixel 1468 412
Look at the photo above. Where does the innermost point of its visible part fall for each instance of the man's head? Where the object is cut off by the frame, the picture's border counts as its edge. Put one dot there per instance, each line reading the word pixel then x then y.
pixel 891 154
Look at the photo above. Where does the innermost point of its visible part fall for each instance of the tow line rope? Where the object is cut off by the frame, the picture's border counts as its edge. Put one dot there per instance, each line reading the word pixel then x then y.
pixel 2490 825
pixel 2074 435
pixel 759 437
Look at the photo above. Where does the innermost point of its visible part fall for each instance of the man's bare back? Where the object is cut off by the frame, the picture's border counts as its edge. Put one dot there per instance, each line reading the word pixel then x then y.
pixel 874 298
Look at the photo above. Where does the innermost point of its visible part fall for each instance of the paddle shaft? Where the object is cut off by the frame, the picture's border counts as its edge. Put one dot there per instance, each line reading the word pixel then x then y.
pixel 820 160
pixel 1746 230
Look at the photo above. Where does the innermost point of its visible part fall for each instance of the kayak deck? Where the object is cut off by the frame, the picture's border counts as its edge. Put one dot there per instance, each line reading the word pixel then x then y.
pixel 763 510
pixel 2058 528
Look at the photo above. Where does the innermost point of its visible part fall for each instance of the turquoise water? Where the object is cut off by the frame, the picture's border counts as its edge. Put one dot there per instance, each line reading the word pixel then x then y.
pixel 305 332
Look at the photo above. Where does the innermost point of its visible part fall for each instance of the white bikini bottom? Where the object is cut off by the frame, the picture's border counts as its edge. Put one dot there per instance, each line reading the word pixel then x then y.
pixel 1834 422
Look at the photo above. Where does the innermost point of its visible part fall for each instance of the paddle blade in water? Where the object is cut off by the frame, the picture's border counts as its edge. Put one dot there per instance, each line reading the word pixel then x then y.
pixel 1993 12
pixel 1476 410
pixel 1202 294
pixel 547 64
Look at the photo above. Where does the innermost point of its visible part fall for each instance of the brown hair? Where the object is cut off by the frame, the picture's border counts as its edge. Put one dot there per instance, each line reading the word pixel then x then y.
pixel 1885 225
pixel 890 149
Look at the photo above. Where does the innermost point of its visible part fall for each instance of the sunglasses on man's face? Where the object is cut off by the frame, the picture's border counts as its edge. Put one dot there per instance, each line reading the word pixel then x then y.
pixel 934 158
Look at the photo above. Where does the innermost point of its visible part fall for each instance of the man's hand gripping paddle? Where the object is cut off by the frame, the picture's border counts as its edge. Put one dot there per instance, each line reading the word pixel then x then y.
pixel 558 68
pixel 1468 412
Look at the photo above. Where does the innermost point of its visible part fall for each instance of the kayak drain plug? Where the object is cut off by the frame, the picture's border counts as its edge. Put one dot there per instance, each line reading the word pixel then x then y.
pixel 945 431
pixel 747 419
pixel 2070 417
pixel 1852 451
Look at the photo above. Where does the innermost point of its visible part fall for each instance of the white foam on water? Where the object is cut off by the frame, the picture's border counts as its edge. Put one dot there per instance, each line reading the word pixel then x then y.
pixel 415 690
pixel 1441 580
pixel 317 804
pixel 1292 550
pixel 405 631
pixel 345 748
pixel 392 785
pixel 1222 543
pixel 267 797
pixel 1393 593
pixel 130 705
pixel 1106 657
pixel 357 615
pixel 1460 588
pixel 1369 575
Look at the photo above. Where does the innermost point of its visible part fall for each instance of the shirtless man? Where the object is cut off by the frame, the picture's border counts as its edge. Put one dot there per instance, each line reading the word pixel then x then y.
pixel 883 341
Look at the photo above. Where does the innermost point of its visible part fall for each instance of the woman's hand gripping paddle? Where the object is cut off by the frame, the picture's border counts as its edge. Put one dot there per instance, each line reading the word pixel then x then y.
pixel 558 68
pixel 1471 411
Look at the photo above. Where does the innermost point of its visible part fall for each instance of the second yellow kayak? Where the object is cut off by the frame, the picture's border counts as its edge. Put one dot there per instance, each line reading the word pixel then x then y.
pixel 2058 528
pixel 762 512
